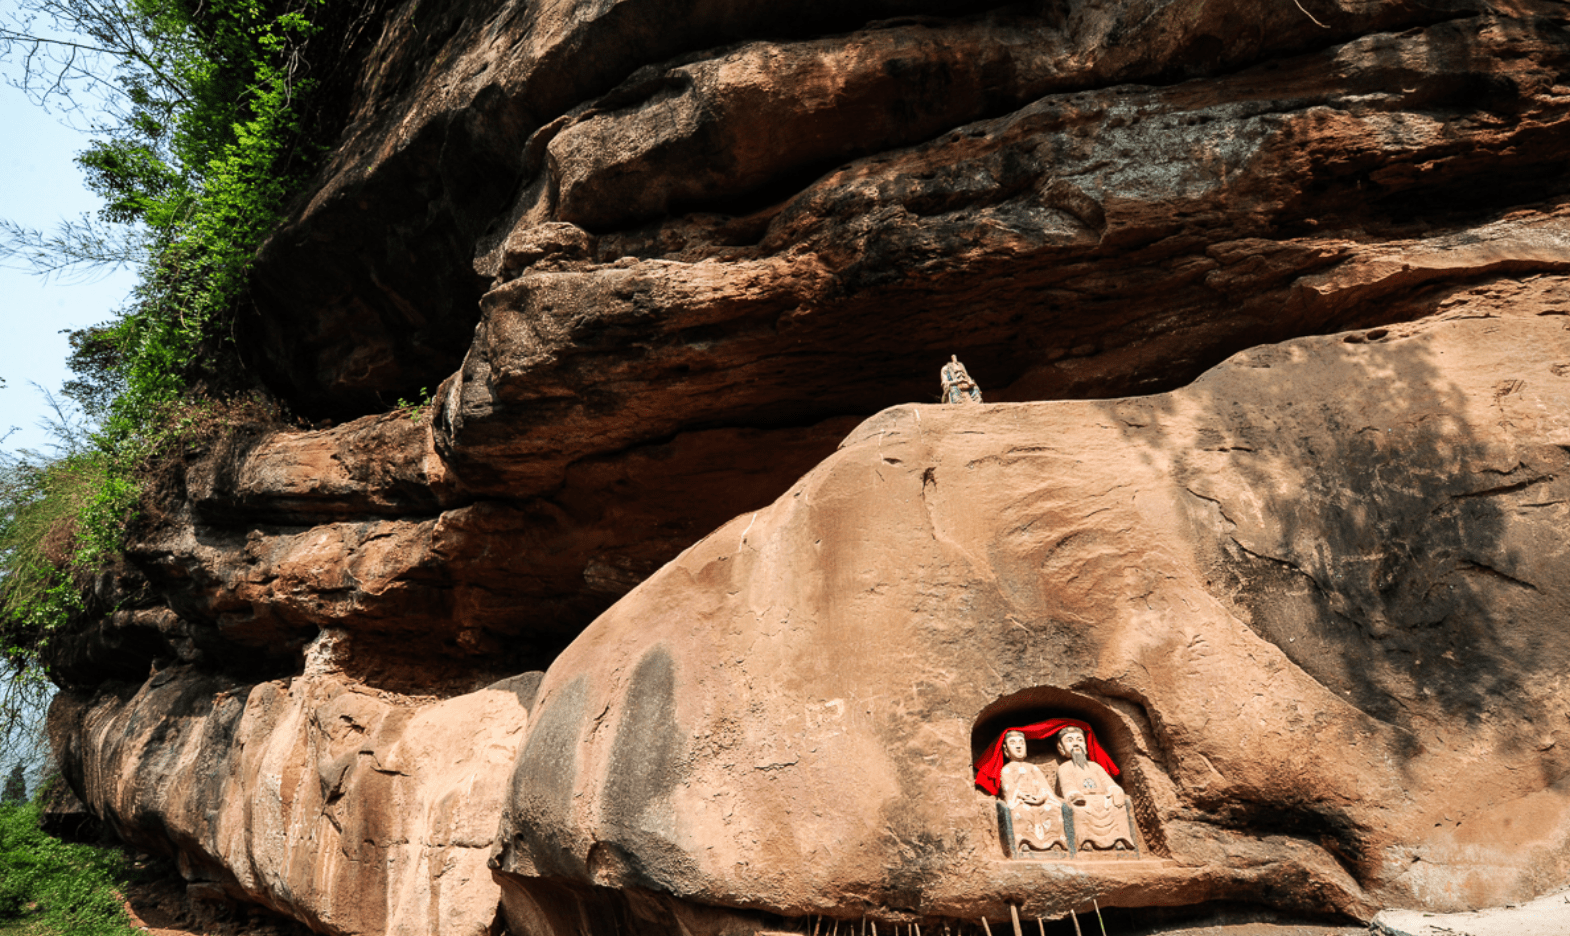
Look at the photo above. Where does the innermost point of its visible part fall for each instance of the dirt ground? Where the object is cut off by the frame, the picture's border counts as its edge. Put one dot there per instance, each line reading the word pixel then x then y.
pixel 1548 915
pixel 163 908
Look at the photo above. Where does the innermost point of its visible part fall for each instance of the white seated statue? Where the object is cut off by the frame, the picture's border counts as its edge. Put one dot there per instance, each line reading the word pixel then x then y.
pixel 1036 810
pixel 1101 816
pixel 957 385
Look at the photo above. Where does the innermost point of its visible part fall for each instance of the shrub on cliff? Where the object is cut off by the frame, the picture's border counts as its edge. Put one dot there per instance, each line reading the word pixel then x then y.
pixel 62 520
pixel 60 513
pixel 206 126
pixel 202 139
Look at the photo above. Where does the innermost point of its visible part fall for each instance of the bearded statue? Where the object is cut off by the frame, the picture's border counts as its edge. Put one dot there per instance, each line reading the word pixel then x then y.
pixel 1101 814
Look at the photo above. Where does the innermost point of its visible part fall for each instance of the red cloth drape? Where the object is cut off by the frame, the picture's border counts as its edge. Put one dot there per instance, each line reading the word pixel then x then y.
pixel 989 767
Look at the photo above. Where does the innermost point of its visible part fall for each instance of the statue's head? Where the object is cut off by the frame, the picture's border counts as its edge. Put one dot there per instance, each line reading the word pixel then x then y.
pixel 1071 744
pixel 1014 744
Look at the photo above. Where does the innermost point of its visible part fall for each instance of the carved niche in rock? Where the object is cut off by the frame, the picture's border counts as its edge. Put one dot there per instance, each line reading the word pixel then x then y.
pixel 1073 807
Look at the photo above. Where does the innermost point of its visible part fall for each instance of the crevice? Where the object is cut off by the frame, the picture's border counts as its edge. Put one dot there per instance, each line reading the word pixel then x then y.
pixel 1325 829
pixel 1221 511
pixel 1488 571
pixel 1505 488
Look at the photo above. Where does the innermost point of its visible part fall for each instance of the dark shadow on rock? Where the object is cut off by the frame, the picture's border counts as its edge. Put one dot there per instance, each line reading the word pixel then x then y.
pixel 1365 521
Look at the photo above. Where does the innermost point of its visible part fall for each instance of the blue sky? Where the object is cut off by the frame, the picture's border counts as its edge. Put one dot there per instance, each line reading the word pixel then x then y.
pixel 39 185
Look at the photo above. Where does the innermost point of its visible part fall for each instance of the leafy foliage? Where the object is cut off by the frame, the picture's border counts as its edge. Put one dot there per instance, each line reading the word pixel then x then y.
pixel 202 144
pixel 96 360
pixel 207 149
pixel 203 137
pixel 58 887
pixel 41 502
pixel 54 512
pixel 414 410
pixel 15 792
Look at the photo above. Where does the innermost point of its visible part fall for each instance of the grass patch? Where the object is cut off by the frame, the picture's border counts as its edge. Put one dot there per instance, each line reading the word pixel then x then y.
pixel 48 886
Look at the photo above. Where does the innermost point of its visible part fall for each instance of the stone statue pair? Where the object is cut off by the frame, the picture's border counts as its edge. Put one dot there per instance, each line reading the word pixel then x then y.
pixel 1084 809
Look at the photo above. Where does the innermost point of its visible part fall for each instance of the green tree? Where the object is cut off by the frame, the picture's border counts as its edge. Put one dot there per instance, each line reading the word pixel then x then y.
pixel 195 112
pixel 15 787
pixel 196 144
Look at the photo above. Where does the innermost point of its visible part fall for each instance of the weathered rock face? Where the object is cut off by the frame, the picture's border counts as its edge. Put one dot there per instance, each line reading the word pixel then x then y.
pixel 351 809
pixel 632 385
pixel 684 133
pixel 363 528
pixel 1315 603
pixel 657 259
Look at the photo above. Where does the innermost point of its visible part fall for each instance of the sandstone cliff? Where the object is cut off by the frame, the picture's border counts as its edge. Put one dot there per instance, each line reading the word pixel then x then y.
pixel 657 260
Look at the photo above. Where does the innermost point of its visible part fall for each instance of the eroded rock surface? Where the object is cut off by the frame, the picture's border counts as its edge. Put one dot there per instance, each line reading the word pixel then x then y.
pixel 350 809
pixel 636 267
pixel 1314 604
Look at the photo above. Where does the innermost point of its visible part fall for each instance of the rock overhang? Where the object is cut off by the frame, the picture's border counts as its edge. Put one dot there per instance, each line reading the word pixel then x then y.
pixel 680 381
pixel 1256 589
pixel 1088 225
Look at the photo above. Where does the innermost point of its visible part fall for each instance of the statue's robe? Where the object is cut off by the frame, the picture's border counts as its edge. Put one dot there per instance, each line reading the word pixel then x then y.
pixel 1102 822
pixel 1038 827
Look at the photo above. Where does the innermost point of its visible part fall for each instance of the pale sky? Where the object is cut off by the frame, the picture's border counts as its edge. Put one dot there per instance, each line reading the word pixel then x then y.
pixel 39 185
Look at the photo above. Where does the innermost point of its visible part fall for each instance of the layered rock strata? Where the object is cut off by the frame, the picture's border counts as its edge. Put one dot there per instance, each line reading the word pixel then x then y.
pixel 480 120
pixel 351 809
pixel 632 384
pixel 1314 604
pixel 653 261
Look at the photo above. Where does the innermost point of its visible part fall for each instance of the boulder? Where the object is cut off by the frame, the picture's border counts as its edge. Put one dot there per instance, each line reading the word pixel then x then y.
pixel 1314 604
pixel 352 809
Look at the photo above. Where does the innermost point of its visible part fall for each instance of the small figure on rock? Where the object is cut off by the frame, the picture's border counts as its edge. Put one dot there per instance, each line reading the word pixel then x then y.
pixel 1035 810
pixel 957 385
